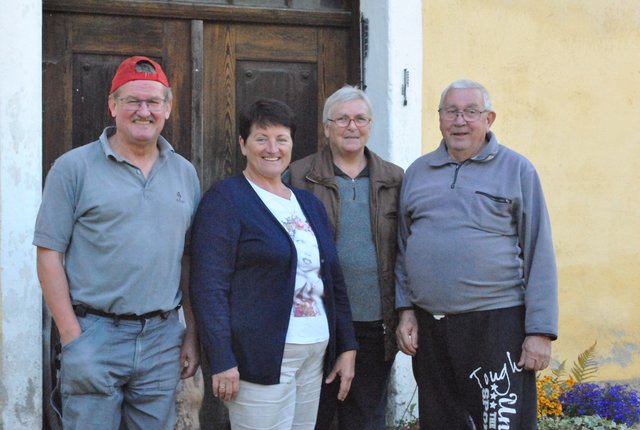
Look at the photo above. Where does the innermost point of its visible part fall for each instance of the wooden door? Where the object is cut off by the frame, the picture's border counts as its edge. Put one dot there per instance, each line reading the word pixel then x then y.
pixel 218 55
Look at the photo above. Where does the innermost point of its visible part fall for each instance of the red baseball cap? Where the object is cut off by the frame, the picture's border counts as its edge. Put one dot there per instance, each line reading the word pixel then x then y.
pixel 127 72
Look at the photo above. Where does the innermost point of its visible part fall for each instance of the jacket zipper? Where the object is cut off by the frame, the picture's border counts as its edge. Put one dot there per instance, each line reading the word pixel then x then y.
pixel 353 187
pixel 455 176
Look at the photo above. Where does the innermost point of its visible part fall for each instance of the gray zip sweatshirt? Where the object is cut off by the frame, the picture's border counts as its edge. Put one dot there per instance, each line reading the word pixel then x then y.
pixel 475 236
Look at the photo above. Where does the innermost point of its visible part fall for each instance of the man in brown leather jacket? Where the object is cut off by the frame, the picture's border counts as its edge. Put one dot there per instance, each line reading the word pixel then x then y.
pixel 360 192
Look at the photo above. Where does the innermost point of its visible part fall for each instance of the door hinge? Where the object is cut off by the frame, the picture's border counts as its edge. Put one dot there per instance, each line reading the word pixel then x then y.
pixel 364 48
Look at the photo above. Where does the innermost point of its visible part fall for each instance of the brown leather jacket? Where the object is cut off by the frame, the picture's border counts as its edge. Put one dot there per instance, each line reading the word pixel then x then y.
pixel 315 173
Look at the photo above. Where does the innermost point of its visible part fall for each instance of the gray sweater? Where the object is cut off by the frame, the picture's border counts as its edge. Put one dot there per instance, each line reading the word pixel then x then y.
pixel 356 248
pixel 476 236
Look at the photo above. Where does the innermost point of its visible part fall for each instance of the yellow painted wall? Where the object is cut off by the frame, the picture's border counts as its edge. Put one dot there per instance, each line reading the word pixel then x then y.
pixel 564 76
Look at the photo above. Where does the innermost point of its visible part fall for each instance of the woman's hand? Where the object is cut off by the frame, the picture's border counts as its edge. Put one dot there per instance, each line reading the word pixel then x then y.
pixel 226 384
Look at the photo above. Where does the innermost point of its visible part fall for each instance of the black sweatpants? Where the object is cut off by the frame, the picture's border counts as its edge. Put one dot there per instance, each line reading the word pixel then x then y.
pixel 467 374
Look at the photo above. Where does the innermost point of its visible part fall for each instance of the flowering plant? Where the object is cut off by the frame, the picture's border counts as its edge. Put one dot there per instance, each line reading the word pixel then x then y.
pixel 551 387
pixel 618 403
pixel 549 391
pixel 561 398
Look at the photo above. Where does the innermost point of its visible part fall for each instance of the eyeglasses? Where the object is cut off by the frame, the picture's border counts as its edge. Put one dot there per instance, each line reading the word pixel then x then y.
pixel 132 104
pixel 468 114
pixel 344 121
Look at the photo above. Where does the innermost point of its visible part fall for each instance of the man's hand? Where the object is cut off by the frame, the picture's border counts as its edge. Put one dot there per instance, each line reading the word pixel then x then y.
pixel 189 355
pixel 407 332
pixel 536 353
pixel 226 384
pixel 55 289
pixel 345 367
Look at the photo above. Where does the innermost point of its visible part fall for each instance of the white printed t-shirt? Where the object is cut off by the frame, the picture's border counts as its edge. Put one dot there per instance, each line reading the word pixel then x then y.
pixel 308 320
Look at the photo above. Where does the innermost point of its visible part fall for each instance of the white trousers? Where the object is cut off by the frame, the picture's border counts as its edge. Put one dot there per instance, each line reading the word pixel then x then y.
pixel 291 404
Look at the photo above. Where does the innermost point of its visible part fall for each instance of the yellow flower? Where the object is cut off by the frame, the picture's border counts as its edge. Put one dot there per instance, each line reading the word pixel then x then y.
pixel 549 391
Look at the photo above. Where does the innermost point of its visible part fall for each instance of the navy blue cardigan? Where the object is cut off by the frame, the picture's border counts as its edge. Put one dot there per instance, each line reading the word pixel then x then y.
pixel 243 268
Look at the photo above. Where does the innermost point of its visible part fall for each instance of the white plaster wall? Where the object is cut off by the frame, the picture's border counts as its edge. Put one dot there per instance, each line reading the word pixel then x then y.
pixel 20 189
pixel 395 44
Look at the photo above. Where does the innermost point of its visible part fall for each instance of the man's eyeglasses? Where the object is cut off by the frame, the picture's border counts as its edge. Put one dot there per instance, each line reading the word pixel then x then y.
pixel 132 104
pixel 344 121
pixel 468 114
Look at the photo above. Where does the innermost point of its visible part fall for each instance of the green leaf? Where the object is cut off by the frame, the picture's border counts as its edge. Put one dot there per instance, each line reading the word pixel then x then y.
pixel 592 422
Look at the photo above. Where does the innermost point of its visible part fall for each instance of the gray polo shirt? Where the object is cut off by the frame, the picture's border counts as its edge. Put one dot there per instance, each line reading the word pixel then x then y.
pixel 122 234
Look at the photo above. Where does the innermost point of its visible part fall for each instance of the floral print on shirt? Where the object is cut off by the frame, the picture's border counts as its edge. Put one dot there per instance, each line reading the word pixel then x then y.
pixel 309 287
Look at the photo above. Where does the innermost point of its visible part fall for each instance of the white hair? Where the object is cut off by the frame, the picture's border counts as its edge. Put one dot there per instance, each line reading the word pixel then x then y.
pixel 467 84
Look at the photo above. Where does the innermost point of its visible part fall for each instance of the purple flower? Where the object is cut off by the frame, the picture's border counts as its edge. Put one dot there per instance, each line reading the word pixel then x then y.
pixel 618 403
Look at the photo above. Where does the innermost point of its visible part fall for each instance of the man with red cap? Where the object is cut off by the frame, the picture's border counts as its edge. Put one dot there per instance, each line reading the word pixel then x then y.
pixel 110 238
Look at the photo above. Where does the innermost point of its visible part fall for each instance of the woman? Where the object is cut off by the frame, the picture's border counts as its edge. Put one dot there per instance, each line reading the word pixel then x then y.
pixel 266 286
